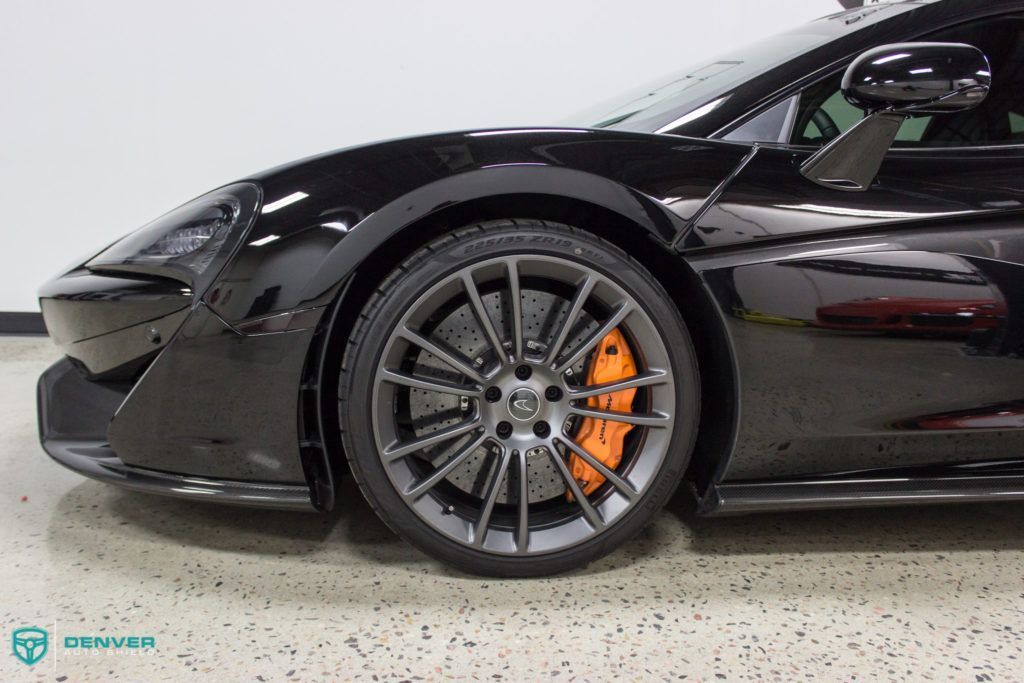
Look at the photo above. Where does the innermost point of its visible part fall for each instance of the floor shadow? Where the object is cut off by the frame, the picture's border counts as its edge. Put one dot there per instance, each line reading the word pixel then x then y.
pixel 351 528
pixel 349 556
pixel 224 527
pixel 94 519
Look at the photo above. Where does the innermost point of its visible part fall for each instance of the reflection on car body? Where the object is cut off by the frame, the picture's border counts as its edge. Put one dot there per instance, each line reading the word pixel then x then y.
pixel 912 315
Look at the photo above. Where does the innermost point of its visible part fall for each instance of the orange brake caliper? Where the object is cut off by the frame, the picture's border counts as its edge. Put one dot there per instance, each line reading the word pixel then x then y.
pixel 602 438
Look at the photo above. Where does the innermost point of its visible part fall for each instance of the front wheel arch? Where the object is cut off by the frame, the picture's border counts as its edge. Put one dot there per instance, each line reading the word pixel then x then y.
pixel 687 292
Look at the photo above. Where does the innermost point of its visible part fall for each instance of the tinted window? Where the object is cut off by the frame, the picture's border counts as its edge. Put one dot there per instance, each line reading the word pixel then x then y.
pixel 687 91
pixel 823 113
pixel 679 99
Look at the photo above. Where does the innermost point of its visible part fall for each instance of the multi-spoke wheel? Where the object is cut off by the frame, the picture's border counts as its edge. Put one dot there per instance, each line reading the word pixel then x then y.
pixel 465 391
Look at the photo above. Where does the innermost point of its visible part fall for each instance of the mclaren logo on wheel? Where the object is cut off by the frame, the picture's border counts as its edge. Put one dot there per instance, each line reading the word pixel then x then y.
pixel 29 644
pixel 524 404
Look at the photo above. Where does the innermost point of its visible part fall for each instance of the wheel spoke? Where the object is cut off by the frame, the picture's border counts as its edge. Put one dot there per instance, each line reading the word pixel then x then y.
pixel 617 481
pixel 450 359
pixel 455 386
pixel 575 308
pixel 401 450
pixel 469 284
pixel 493 488
pixel 428 384
pixel 438 475
pixel 644 379
pixel 517 308
pixel 623 310
pixel 523 528
pixel 638 419
pixel 592 515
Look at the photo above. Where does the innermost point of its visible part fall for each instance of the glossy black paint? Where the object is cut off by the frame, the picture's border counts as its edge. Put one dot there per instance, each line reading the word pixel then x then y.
pixel 73 417
pixel 84 304
pixel 110 323
pixel 830 383
pixel 183 415
pixel 296 255
pixel 914 189
pixel 932 78
pixel 240 391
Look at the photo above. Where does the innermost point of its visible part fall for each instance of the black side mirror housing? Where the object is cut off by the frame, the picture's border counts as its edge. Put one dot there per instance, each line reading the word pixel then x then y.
pixel 893 83
pixel 923 78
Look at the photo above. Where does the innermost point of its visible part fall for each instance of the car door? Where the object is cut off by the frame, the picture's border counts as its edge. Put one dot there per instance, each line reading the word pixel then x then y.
pixel 883 328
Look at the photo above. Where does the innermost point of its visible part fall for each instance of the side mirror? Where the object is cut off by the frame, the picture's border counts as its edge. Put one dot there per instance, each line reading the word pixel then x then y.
pixel 892 83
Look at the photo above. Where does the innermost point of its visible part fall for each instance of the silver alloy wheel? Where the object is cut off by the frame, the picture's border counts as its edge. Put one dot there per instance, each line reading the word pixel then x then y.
pixel 520 399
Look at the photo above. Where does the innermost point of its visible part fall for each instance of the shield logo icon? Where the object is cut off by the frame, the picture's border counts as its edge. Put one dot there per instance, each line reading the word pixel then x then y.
pixel 29 644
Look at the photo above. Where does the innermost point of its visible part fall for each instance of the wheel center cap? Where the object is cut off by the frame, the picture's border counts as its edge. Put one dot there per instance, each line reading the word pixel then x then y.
pixel 524 404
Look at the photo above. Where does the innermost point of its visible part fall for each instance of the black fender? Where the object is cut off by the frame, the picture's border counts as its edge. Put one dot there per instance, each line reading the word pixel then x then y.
pixel 325 217
pixel 565 183
pixel 329 214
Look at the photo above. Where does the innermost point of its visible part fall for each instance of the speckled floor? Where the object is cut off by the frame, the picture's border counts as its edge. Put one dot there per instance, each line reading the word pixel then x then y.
pixel 229 594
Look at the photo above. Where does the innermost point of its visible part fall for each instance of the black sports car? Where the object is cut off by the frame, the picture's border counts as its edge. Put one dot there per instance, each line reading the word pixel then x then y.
pixel 788 276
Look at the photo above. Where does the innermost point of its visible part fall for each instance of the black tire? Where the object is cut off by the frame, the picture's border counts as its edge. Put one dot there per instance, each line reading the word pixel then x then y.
pixel 431 264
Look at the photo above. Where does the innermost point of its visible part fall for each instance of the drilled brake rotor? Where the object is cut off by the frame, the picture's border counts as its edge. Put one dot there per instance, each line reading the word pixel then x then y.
pixel 432 411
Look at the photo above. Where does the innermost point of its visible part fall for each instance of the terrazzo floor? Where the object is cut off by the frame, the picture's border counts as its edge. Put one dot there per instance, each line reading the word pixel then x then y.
pixel 230 594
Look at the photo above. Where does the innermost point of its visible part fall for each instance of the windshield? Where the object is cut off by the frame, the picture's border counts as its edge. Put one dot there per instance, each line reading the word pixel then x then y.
pixel 691 93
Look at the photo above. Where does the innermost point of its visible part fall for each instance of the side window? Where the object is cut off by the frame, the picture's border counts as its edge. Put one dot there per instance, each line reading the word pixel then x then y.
pixel 823 113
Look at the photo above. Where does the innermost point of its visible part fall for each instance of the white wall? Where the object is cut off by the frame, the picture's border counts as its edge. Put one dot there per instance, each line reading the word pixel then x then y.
pixel 114 111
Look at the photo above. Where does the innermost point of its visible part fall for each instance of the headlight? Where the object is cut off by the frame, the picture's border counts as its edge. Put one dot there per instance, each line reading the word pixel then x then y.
pixel 191 243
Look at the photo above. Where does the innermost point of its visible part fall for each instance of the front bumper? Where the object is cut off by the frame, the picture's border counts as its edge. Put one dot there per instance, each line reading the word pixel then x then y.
pixel 111 324
pixel 159 394
pixel 74 414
